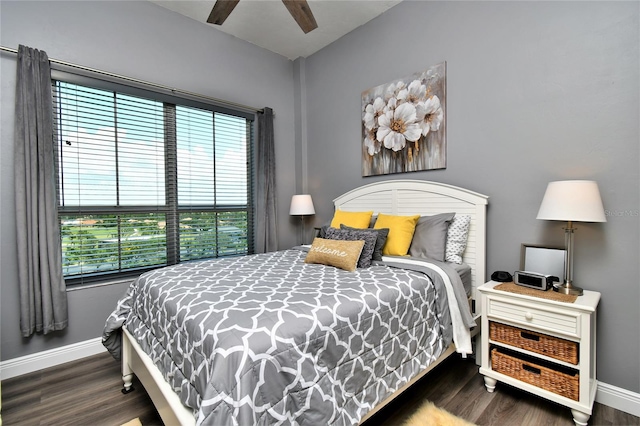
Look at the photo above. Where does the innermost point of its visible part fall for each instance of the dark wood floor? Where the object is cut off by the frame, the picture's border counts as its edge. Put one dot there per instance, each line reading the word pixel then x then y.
pixel 87 392
pixel 457 387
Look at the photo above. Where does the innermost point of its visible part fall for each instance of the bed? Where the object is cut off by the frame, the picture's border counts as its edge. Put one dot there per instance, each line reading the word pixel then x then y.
pixel 331 352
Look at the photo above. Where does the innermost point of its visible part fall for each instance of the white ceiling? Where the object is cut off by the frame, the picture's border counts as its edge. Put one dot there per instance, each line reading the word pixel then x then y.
pixel 268 24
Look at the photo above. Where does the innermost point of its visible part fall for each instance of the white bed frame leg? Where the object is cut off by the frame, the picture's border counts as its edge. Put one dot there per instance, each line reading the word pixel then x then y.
pixel 127 372
pixel 127 379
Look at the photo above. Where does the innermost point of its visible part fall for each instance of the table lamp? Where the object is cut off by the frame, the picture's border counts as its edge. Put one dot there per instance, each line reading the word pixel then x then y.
pixel 571 201
pixel 301 205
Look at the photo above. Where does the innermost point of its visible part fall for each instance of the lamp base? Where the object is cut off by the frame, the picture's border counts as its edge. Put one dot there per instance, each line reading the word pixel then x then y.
pixel 567 288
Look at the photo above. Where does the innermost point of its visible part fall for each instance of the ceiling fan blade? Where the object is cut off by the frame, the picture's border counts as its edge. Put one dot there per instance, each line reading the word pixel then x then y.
pixel 221 11
pixel 301 12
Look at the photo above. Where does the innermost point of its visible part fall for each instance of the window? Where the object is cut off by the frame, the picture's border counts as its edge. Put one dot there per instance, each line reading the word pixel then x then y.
pixel 144 183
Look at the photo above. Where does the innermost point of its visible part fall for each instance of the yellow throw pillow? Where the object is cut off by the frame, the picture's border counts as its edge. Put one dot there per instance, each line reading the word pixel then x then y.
pixel 401 229
pixel 352 219
pixel 338 253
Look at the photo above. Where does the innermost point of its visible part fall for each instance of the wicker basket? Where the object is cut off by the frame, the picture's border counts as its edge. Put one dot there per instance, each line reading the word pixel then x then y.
pixel 563 350
pixel 567 385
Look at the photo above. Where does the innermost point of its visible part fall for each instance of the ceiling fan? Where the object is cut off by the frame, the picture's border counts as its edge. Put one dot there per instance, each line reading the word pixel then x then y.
pixel 299 9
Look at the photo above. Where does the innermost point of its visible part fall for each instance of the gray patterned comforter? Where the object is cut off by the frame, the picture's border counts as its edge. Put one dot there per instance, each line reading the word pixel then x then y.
pixel 268 339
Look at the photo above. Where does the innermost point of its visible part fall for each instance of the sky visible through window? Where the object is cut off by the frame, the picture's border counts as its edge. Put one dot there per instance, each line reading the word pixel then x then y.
pixel 96 121
pixel 198 167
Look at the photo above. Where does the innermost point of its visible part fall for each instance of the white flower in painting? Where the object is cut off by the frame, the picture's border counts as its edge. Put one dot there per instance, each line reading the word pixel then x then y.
pixel 429 115
pixel 372 112
pixel 398 125
pixel 394 89
pixel 414 93
pixel 373 146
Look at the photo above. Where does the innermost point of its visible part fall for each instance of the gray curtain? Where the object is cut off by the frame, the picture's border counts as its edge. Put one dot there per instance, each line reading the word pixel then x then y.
pixel 43 298
pixel 266 238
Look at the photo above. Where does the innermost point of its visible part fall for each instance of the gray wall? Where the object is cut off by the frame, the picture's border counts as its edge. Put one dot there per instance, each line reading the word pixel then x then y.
pixel 536 92
pixel 145 41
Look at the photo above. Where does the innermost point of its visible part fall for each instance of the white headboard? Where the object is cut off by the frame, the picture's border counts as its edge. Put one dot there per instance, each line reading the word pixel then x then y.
pixel 410 197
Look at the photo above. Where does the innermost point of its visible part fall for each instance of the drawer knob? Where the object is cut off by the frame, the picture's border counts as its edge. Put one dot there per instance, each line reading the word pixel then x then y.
pixel 528 315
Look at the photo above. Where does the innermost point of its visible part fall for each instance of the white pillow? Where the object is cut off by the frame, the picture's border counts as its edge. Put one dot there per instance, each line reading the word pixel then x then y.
pixel 457 238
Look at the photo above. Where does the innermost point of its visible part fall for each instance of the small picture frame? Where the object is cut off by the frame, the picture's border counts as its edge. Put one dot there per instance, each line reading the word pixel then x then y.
pixel 543 260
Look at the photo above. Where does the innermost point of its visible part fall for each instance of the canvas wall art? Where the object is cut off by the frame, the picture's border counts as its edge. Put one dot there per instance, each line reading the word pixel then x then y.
pixel 404 124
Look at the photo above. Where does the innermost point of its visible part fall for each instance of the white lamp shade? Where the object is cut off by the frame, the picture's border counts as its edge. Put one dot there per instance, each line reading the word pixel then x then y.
pixel 301 205
pixel 572 200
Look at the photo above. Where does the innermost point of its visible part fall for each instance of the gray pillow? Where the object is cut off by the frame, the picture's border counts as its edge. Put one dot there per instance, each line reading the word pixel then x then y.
pixel 354 234
pixel 430 236
pixel 381 239
pixel 322 232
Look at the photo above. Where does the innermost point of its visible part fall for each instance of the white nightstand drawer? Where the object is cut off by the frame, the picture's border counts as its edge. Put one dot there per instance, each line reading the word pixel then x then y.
pixel 556 321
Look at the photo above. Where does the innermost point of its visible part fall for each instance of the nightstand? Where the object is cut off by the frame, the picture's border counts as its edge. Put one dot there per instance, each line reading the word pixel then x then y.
pixel 545 347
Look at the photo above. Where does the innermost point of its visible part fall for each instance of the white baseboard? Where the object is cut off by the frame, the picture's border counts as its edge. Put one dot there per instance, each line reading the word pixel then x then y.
pixel 618 398
pixel 50 358
pixel 612 396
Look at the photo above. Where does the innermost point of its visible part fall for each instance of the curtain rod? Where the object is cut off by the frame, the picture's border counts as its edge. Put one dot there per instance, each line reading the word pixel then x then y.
pixel 146 83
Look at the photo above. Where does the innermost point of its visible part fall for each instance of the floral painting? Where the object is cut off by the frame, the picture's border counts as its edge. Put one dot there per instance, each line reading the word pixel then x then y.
pixel 404 124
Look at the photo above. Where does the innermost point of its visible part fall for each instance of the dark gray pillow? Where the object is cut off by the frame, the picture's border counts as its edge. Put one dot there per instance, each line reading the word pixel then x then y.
pixel 322 232
pixel 381 239
pixel 430 236
pixel 354 234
